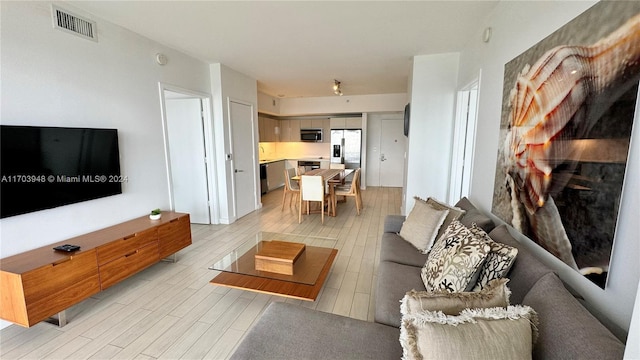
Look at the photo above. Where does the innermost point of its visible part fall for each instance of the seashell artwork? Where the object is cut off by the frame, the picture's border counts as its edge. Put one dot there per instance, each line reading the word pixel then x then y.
pixel 568 111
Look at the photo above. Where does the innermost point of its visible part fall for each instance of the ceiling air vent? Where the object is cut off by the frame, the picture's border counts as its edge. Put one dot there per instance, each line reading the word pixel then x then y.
pixel 74 24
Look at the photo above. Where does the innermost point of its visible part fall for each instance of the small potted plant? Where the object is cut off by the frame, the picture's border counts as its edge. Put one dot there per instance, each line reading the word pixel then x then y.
pixel 156 214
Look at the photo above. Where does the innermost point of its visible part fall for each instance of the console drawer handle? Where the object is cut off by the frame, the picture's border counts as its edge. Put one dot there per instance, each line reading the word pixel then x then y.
pixel 133 253
pixel 62 261
pixel 129 237
pixel 174 220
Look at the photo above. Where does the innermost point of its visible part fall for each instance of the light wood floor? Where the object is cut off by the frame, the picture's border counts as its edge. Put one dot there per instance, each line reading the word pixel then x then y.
pixel 170 310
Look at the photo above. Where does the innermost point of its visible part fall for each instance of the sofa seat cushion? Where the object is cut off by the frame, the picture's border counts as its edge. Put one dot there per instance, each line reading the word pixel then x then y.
pixel 396 249
pixel 526 270
pixel 566 329
pixel 287 331
pixel 394 280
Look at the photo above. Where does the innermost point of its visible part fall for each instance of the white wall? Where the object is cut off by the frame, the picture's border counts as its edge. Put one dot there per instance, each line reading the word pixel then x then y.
pixel 516 27
pixel 430 130
pixel 632 351
pixel 51 78
pixel 268 104
pixel 342 104
pixel 228 84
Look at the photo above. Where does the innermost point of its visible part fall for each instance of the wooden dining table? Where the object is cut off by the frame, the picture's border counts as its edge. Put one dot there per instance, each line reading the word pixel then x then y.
pixel 333 178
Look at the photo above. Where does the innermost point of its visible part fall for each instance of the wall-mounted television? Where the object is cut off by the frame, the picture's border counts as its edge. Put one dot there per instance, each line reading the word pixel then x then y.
pixel 407 117
pixel 46 167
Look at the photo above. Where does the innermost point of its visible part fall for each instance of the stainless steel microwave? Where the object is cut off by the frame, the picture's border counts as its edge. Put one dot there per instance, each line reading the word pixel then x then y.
pixel 311 135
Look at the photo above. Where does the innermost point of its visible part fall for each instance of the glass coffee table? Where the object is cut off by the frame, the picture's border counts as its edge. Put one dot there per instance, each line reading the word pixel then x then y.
pixel 288 265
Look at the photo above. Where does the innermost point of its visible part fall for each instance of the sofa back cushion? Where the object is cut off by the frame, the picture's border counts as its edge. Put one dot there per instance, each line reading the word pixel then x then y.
pixel 474 216
pixel 566 330
pixel 526 270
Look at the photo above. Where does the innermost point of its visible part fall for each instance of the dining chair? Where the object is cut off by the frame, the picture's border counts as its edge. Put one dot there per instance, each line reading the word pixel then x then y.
pixel 290 187
pixel 352 190
pixel 336 166
pixel 312 188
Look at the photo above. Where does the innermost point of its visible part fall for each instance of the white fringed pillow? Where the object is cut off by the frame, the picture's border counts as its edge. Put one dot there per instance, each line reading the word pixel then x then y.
pixel 495 294
pixel 491 333
pixel 422 225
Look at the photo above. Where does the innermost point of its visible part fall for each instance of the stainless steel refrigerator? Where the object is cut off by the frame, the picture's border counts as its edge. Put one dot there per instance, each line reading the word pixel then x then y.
pixel 346 147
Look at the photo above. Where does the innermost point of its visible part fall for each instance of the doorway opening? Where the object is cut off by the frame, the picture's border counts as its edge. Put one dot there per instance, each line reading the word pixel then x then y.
pixel 464 141
pixel 189 149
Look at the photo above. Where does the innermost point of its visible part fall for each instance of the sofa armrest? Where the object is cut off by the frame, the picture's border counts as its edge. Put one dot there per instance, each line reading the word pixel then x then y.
pixel 393 223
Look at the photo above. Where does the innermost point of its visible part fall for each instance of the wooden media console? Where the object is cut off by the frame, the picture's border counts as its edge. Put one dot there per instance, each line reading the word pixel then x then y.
pixel 40 283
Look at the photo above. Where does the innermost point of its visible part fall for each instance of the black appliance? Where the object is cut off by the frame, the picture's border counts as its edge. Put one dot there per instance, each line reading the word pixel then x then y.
pixel 311 135
pixel 263 179
pixel 309 165
pixel 45 167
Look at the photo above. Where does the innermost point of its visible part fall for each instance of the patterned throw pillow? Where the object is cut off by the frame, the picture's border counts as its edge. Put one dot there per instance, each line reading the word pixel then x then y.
pixel 491 333
pixel 421 226
pixel 455 213
pixel 454 260
pixel 495 294
pixel 498 262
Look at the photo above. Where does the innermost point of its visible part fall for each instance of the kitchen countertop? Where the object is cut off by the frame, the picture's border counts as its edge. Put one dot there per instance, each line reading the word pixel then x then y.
pixel 267 161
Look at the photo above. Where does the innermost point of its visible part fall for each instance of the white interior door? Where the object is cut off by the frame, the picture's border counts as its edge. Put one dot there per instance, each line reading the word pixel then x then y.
pixel 187 158
pixel 463 143
pixel 243 160
pixel 392 146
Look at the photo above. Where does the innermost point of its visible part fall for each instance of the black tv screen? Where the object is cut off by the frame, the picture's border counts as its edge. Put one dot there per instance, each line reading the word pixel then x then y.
pixel 45 167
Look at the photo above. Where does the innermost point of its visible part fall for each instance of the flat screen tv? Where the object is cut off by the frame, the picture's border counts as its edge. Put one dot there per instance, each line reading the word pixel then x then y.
pixel 407 117
pixel 46 167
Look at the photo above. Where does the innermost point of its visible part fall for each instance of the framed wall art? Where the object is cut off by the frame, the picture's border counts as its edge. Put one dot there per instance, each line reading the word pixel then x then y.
pixel 567 115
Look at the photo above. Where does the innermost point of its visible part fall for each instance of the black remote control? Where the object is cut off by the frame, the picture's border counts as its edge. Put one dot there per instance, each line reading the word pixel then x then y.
pixel 67 248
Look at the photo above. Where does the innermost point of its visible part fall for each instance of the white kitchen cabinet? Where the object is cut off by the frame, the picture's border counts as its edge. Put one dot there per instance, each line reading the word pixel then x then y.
pixel 337 123
pixel 294 130
pixel 291 164
pixel 267 129
pixel 346 123
pixel 306 124
pixel 275 175
pixel 273 125
pixel 289 131
pixel 353 123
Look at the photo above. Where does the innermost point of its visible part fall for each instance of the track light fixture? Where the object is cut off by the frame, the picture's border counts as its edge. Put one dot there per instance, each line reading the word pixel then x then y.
pixel 337 87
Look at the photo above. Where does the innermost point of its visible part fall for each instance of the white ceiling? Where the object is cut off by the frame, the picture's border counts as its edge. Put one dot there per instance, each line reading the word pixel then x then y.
pixel 297 48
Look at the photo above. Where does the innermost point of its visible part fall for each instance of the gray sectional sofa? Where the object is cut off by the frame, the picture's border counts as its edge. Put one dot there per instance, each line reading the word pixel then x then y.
pixel 566 329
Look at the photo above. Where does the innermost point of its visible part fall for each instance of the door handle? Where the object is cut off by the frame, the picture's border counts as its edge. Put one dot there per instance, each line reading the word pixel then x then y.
pixel 382 158
pixel 236 170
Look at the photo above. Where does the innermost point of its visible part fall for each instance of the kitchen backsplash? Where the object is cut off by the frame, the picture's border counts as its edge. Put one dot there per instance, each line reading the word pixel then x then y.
pixel 293 150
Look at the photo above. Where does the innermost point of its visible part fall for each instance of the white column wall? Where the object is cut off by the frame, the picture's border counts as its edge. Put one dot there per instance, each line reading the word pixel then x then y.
pixel 433 92
pixel 227 84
